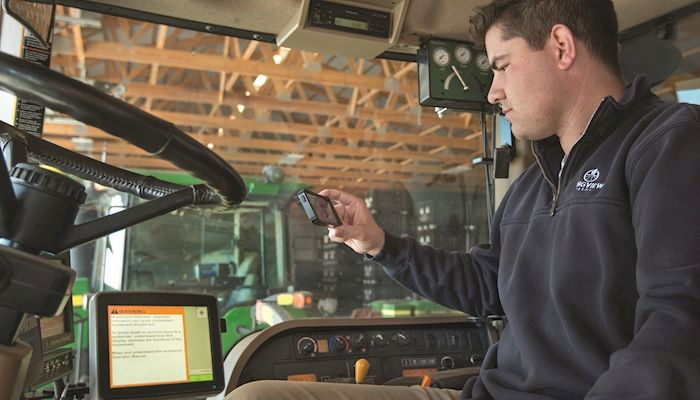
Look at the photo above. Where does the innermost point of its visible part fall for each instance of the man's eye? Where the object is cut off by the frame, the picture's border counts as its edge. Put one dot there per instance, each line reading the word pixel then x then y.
pixel 502 67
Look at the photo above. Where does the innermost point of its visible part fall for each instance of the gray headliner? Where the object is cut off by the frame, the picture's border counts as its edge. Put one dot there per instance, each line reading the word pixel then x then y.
pixel 437 18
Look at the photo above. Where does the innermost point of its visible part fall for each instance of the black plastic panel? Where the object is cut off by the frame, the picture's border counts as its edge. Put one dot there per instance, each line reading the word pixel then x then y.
pixel 328 354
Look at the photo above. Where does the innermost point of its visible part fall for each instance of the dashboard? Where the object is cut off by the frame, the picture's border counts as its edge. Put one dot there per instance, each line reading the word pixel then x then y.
pixel 325 350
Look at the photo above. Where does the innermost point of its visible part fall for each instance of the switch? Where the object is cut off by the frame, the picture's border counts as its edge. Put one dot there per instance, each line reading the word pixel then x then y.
pixel 452 340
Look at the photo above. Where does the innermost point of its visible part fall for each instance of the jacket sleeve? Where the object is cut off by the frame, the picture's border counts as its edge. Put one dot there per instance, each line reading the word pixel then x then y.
pixel 663 359
pixel 461 281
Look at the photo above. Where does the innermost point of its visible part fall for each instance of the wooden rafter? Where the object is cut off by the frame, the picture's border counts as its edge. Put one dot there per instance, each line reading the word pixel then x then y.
pixel 349 123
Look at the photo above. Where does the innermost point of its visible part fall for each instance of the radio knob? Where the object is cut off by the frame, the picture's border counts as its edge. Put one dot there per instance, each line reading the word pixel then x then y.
pixel 357 342
pixel 379 340
pixel 306 345
pixel 447 362
pixel 338 343
pixel 475 359
pixel 401 339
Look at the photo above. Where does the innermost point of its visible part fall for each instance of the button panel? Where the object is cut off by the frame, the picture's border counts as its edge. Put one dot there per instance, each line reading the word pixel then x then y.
pixel 329 353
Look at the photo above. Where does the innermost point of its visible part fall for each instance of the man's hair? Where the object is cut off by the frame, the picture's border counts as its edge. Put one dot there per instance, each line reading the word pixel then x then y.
pixel 593 22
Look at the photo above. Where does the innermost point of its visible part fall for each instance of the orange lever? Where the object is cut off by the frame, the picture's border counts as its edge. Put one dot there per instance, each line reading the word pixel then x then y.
pixel 361 368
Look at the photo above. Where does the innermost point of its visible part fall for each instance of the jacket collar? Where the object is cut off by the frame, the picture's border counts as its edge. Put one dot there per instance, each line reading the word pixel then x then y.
pixel 608 116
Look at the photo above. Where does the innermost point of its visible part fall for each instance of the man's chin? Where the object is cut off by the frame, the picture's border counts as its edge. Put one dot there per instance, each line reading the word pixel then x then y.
pixel 524 134
pixel 518 134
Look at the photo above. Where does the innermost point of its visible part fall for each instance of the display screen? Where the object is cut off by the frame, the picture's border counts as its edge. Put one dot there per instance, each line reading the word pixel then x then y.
pixel 144 336
pixel 351 23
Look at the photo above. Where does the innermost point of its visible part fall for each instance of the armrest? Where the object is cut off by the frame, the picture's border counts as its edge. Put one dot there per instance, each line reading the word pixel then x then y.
pixel 447 379
pixel 453 378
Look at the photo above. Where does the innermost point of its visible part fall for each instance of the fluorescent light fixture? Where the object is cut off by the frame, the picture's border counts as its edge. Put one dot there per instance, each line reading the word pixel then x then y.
pixel 81 140
pixel 282 53
pixel 260 81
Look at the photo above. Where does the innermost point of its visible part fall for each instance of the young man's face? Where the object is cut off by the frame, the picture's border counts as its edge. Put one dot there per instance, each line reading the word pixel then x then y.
pixel 524 84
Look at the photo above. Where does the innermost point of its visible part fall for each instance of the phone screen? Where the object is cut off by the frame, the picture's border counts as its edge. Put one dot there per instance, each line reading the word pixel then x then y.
pixel 319 208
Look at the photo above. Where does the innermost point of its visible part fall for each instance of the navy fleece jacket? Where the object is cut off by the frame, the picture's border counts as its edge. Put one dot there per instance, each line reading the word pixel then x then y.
pixel 597 272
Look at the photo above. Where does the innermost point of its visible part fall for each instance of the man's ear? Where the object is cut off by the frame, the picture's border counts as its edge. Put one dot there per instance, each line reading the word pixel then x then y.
pixel 564 45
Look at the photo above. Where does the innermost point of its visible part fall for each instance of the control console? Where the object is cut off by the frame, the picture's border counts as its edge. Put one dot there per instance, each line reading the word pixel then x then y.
pixel 327 350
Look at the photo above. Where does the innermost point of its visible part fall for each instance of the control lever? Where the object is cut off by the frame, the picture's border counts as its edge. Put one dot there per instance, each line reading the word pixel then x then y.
pixel 461 80
pixel 361 368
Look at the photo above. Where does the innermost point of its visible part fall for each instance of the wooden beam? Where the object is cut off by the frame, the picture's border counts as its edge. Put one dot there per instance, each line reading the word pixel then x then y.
pixel 184 94
pixel 211 62
pixel 78 44
pixel 352 105
pixel 161 35
pixel 310 130
pixel 247 54
pixel 245 164
pixel 61 133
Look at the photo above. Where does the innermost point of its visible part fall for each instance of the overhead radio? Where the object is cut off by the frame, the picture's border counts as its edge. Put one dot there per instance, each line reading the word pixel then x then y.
pixel 347 18
pixel 354 28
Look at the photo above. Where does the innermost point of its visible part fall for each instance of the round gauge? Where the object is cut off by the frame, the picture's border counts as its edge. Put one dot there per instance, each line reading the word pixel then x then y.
pixel 441 56
pixel 482 62
pixel 462 54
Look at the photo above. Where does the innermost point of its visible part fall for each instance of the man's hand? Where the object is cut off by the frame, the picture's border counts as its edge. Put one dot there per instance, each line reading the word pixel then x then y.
pixel 359 231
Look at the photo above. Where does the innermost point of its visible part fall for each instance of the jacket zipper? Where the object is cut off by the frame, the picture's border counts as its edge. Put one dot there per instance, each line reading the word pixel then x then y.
pixel 569 157
pixel 555 189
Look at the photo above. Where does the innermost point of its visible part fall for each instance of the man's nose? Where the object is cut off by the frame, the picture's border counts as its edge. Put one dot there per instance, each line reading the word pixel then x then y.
pixel 495 94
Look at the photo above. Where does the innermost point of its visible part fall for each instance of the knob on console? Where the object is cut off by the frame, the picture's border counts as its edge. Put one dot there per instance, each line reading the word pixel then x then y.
pixel 401 338
pixel 379 340
pixel 447 362
pixel 338 344
pixel 475 359
pixel 306 345
pixel 357 342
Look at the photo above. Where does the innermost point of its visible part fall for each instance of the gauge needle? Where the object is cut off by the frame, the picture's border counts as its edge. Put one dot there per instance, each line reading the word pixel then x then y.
pixel 464 85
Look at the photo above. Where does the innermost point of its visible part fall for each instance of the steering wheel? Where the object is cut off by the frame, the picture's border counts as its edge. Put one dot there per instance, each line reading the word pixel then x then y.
pixel 93 107
pixel 224 186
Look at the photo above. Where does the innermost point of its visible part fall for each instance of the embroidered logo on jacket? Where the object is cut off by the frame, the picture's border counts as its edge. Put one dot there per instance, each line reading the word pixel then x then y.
pixel 589 183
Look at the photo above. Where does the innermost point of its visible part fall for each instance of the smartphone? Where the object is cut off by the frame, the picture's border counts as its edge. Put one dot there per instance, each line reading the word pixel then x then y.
pixel 319 208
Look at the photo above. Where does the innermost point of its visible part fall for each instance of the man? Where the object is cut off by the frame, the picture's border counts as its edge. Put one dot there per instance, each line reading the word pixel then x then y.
pixel 595 250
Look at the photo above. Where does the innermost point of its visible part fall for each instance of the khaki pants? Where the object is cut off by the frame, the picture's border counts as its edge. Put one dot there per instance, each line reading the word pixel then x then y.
pixel 288 390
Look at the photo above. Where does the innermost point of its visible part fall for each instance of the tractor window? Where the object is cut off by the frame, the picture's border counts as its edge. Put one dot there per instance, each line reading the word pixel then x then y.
pixel 310 121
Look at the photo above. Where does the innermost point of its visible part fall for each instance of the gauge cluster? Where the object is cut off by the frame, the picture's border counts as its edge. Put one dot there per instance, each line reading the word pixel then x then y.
pixel 454 75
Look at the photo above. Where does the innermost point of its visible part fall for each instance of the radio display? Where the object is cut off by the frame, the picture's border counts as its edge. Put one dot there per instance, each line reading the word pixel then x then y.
pixel 351 23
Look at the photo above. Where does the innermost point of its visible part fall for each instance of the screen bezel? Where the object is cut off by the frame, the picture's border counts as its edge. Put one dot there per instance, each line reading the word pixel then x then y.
pixel 104 300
